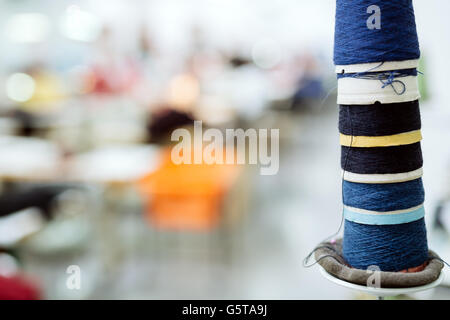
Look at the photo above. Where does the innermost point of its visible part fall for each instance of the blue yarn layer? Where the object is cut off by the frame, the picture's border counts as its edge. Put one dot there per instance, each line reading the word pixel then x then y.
pixel 379 75
pixel 395 40
pixel 383 197
pixel 390 247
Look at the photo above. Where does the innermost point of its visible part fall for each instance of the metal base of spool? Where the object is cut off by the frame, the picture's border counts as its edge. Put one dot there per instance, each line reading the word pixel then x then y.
pixel 381 293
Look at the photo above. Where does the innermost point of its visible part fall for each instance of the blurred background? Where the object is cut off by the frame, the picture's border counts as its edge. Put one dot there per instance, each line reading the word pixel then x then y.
pixel 90 91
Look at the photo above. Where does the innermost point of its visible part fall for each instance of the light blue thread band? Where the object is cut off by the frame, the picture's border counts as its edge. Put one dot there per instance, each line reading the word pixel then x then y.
pixel 384 218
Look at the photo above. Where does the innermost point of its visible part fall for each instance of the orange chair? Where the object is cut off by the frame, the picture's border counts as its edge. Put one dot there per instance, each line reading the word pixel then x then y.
pixel 186 196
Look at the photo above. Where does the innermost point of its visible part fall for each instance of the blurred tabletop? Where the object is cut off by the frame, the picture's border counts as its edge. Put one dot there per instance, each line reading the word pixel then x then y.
pixel 34 160
pixel 116 164
pixel 24 159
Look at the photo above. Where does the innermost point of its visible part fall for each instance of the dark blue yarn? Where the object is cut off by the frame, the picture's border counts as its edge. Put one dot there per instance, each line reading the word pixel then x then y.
pixel 396 159
pixel 390 247
pixel 379 75
pixel 396 40
pixel 380 120
pixel 387 78
pixel 383 197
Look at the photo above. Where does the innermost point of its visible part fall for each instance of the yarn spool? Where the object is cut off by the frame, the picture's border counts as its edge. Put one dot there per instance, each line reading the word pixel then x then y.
pixel 375 53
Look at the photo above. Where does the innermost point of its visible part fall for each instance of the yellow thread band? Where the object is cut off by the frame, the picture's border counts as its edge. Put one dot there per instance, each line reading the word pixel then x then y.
pixel 381 141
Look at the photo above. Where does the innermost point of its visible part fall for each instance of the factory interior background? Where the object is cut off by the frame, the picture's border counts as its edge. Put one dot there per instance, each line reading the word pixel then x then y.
pixel 90 92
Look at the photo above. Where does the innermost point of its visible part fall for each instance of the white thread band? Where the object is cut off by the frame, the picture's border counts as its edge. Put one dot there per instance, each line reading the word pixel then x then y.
pixel 382 218
pixel 382 178
pixel 368 91
pixel 377 66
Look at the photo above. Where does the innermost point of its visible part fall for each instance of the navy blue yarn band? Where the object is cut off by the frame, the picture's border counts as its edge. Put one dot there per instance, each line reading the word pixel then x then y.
pixel 395 40
pixel 382 160
pixel 379 119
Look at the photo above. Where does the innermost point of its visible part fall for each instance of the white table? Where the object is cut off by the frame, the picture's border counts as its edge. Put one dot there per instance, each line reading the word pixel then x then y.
pixel 25 159
pixel 116 164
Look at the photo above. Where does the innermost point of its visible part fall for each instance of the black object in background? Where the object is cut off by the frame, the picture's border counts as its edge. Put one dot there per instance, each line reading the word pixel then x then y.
pixel 19 198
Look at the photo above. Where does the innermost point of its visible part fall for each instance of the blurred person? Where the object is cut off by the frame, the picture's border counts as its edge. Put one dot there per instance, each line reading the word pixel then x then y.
pixel 163 121
pixel 309 86
pixel 187 196
pixel 201 65
pixel 112 72
pixel 183 91
pixel 243 86
pixel 155 71
pixel 146 46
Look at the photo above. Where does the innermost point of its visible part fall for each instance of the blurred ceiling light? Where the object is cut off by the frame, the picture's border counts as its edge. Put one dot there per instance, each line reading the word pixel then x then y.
pixel 27 27
pixel 80 25
pixel 20 87
pixel 266 54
